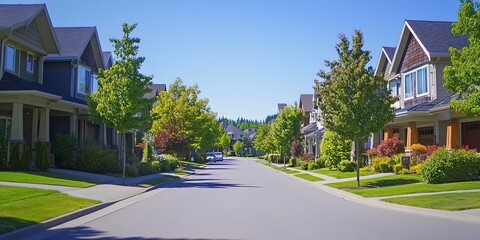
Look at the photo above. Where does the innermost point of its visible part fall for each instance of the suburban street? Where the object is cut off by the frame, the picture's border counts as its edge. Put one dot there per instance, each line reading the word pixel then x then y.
pixel 241 199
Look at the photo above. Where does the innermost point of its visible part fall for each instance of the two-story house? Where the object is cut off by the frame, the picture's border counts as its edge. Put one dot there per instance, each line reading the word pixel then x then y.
pixel 312 132
pixel 414 70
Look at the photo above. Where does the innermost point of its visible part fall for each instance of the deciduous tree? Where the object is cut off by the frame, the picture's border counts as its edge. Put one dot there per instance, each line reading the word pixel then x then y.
pixel 286 129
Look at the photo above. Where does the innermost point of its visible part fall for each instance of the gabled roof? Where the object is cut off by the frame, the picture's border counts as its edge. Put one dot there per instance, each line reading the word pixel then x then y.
pixel 224 125
pixel 233 130
pixel 14 16
pixel 74 40
pixel 312 127
pixel 107 57
pixel 156 89
pixel 434 37
pixel 306 102
pixel 386 56
pixel 281 106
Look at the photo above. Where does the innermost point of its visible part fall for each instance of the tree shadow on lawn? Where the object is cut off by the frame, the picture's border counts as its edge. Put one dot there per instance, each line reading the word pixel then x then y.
pixel 8 224
pixel 382 183
pixel 89 233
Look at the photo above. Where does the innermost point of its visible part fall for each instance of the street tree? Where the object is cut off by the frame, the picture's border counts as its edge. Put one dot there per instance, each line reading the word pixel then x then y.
pixel 286 129
pixel 463 76
pixel 354 102
pixel 224 142
pixel 119 100
pixel 237 147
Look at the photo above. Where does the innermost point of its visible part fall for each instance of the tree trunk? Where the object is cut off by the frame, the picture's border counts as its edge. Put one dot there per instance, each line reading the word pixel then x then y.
pixel 123 156
pixel 357 153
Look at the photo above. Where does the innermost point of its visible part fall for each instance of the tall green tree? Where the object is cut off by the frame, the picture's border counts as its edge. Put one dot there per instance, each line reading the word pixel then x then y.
pixel 353 101
pixel 181 106
pixel 119 101
pixel 237 147
pixel 286 129
pixel 463 76
pixel 224 142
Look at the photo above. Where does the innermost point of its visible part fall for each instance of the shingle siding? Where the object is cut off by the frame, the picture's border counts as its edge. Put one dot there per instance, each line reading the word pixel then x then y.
pixel 413 56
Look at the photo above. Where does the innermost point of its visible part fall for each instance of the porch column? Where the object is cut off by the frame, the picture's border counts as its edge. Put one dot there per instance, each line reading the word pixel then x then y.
pixel 412 134
pixel 44 133
pixel 34 126
pixel 453 139
pixel 17 122
pixel 74 126
pixel 387 133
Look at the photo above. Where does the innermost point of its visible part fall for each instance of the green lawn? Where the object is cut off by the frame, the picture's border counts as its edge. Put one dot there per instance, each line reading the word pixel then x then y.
pixel 193 164
pixel 181 172
pixel 156 181
pixel 290 171
pixel 401 184
pixel 49 178
pixel 338 174
pixel 447 201
pixel 20 207
pixel 308 177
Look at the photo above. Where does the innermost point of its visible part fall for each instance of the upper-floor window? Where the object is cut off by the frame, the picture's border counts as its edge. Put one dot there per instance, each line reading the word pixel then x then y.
pixel 422 81
pixel 395 87
pixel 29 63
pixel 409 85
pixel 10 56
pixel 83 80
pixel 94 83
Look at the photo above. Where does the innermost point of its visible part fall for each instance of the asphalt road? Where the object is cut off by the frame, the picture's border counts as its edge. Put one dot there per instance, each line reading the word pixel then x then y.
pixel 241 199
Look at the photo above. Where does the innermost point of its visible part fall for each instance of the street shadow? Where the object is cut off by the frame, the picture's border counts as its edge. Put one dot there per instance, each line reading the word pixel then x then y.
pixel 8 224
pixel 89 233
pixel 204 183
pixel 219 168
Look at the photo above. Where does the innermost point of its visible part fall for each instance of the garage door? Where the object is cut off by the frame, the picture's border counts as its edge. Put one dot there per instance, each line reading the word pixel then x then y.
pixel 426 136
pixel 471 134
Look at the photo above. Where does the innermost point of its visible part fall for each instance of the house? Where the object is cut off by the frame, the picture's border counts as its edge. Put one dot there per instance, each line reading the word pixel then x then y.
pixel 234 133
pixel 312 129
pixel 281 106
pixel 414 70
pixel 27 37
pixel 306 105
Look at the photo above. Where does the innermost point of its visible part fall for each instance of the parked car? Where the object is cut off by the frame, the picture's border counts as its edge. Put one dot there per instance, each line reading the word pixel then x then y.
pixel 211 157
pixel 218 156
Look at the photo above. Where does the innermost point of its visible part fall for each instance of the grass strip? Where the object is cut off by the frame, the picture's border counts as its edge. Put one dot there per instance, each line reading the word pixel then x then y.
pixel 340 175
pixel 308 177
pixel 156 181
pixel 48 178
pixel 290 171
pixel 193 164
pixel 30 206
pixel 446 201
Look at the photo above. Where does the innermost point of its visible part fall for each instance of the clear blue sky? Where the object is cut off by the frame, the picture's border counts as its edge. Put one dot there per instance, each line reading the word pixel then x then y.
pixel 246 56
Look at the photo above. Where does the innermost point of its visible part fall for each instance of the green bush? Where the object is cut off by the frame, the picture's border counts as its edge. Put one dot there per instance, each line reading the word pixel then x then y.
pixel 292 162
pixel 382 164
pixel 166 162
pixel 131 170
pixel 63 146
pixel 3 155
pixel 404 171
pixel 334 149
pixel 96 158
pixel 302 164
pixel 230 153
pixel 42 162
pixel 321 162
pixel 147 152
pixel 397 168
pixel 346 166
pixel 15 162
pixel 25 159
pixel 273 158
pixel 145 168
pixel 312 165
pixel 454 166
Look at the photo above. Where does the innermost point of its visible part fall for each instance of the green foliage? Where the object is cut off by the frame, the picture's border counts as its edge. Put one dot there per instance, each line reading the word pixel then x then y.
pixel 25 159
pixel 321 162
pixel 382 164
pixel 224 141
pixel 463 76
pixel 3 154
pixel 264 139
pixel 63 146
pixel 147 152
pixel 96 158
pixel 237 147
pixel 302 164
pixel 131 170
pixel 346 166
pixel 286 128
pixel 454 166
pixel 15 161
pixel 397 168
pixel 275 158
pixel 334 149
pixel 296 149
pixel 292 162
pixel 312 165
pixel 42 162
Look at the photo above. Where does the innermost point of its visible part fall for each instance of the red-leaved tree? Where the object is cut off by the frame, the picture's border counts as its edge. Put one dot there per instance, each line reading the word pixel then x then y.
pixel 170 140
pixel 390 147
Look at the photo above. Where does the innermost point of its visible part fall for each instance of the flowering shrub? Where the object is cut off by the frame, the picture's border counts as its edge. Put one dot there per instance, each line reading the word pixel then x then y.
pixel 308 157
pixel 390 147
pixel 418 148
pixel 372 152
pixel 431 149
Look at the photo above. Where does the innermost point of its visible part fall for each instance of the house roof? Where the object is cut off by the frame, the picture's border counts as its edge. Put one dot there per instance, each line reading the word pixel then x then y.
pixel 224 125
pixel 74 40
pixel 281 106
pixel 306 102
pixel 156 89
pixel 233 130
pixel 107 56
pixel 389 52
pixel 312 127
pixel 386 56
pixel 14 16
pixel 11 82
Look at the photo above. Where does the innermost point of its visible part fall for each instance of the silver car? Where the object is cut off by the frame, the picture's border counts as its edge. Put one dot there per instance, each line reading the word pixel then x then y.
pixel 211 157
pixel 218 156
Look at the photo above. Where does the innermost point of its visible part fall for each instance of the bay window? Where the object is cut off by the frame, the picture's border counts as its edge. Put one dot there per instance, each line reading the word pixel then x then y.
pixel 83 80
pixel 422 81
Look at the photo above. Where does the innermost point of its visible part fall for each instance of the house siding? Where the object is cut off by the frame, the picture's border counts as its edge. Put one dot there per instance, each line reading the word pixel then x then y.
pixel 88 58
pixel 413 55
pixel 57 75
pixel 441 91
pixel 23 68
pixel 388 75
pixel 30 34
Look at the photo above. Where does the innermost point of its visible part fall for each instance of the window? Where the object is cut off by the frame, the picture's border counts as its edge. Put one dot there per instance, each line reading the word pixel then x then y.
pixel 409 85
pixel 395 87
pixel 10 57
pixel 83 79
pixel 94 83
pixel 422 81
pixel 30 62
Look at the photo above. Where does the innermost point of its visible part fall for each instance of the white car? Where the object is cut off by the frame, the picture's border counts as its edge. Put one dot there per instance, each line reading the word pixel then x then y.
pixel 218 156
pixel 211 157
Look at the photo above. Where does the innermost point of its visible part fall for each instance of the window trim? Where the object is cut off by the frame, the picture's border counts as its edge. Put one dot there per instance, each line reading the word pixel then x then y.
pixel 87 81
pixel 33 63
pixel 416 81
pixel 405 86
pixel 6 57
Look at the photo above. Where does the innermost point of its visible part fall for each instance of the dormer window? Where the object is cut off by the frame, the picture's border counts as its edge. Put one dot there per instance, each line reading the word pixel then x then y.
pixel 29 64
pixel 83 80
pixel 10 56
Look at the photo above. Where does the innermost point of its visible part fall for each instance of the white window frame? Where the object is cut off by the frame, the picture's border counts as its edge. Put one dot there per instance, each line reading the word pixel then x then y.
pixel 6 59
pixel 94 83
pixel 87 80
pixel 405 85
pixel 394 89
pixel 424 68
pixel 32 67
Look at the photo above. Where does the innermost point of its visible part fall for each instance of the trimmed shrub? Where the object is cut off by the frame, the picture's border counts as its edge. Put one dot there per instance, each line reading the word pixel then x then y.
pixel 302 164
pixel 63 146
pixel 25 159
pixel 42 162
pixel 321 162
pixel 382 164
pixel 15 162
pixel 147 152
pixel 346 166
pixel 145 168
pixel 292 162
pixel 96 158
pixel 404 171
pixel 366 169
pixel 131 170
pixel 308 157
pixel 454 166
pixel 397 168
pixel 334 149
pixel 418 148
pixel 312 165
pixel 390 147
pixel 230 153
pixel 416 168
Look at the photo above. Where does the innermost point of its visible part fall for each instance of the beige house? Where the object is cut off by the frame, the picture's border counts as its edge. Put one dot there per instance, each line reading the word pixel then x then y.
pixel 414 70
